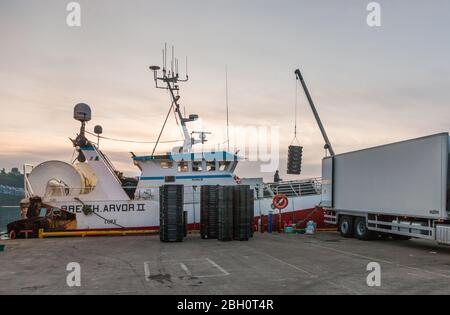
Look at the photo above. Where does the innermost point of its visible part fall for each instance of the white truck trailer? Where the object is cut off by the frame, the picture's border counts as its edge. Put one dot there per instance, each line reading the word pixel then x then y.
pixel 400 190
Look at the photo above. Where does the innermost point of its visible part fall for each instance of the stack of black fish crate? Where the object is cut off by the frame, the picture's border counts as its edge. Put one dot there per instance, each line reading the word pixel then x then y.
pixel 242 212
pixel 185 223
pixel 227 212
pixel 209 216
pixel 225 209
pixel 171 213
pixel 251 192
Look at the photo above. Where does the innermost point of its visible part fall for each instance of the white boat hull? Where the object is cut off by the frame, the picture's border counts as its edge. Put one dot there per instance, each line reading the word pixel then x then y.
pixel 144 214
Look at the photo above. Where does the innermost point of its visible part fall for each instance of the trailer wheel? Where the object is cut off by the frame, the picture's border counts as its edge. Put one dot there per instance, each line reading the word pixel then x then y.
pixel 361 230
pixel 346 226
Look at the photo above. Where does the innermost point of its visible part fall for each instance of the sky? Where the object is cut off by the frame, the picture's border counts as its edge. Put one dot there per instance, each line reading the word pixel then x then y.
pixel 371 85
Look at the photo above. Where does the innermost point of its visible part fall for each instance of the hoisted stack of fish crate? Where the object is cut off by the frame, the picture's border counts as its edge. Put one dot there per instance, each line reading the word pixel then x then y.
pixel 171 213
pixel 295 155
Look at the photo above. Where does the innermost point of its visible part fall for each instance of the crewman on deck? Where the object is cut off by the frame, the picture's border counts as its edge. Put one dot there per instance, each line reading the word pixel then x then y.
pixel 276 177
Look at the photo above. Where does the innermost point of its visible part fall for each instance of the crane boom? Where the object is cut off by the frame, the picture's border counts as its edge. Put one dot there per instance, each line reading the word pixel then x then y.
pixel 316 114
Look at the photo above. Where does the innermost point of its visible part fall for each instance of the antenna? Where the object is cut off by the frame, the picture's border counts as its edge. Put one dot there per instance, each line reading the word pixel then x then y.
pixel 171 80
pixel 173 53
pixel 165 57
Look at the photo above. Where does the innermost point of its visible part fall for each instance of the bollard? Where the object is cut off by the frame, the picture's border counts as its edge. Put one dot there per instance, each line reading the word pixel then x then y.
pixel 270 225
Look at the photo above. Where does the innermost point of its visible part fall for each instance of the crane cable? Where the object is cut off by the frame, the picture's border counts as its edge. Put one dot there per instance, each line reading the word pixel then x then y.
pixel 295 114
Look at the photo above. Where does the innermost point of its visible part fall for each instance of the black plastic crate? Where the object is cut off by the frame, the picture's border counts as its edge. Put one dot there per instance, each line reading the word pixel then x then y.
pixel 243 202
pixel 225 212
pixel 209 211
pixel 171 213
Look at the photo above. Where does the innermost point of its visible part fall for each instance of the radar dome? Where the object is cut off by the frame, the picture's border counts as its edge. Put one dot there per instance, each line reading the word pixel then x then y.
pixel 82 112
pixel 98 129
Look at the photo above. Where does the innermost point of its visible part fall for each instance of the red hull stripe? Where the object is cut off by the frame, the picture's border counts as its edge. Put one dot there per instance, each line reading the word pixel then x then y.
pixel 293 217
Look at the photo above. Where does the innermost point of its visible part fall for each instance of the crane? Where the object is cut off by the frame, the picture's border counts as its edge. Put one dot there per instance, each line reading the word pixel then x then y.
pixel 316 114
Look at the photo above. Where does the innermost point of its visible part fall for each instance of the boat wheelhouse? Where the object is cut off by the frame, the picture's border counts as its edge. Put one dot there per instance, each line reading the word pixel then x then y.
pixel 181 167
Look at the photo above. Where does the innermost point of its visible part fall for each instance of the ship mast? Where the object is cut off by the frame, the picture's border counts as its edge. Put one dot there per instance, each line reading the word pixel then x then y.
pixel 170 79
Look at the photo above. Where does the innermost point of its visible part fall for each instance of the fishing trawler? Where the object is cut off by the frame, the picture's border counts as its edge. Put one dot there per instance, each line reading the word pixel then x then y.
pixel 91 194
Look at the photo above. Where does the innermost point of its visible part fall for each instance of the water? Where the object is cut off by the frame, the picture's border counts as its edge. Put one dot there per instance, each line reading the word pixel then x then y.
pixel 8 215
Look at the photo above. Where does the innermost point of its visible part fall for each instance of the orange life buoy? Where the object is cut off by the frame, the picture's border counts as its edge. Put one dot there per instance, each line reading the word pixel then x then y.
pixel 280 201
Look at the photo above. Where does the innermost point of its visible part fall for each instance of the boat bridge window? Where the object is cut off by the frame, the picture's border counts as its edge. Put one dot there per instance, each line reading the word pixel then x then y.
pixel 169 179
pixel 183 167
pixel 166 164
pixel 223 165
pixel 197 166
pixel 211 166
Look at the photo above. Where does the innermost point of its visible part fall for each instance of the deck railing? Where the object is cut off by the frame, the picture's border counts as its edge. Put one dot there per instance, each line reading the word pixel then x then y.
pixel 307 187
